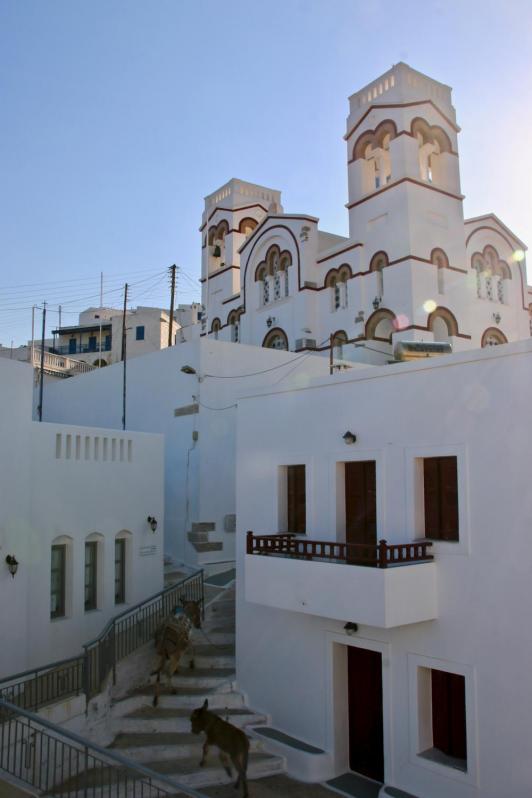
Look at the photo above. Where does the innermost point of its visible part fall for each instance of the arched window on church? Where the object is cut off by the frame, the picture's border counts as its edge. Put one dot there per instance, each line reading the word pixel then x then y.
pixel 493 337
pixel 432 142
pixel 339 341
pixel 443 325
pixel 215 328
pixel 276 339
pixel 264 282
pixel 377 264
pixel 247 226
pixel 441 261
pixel 373 147
pixel 492 275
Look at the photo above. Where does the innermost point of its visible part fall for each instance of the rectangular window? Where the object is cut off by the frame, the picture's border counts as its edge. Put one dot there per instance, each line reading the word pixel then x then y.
pixel 440 485
pixel 58 581
pixel 449 714
pixel 139 333
pixel 72 346
pixel 296 499
pixel 120 571
pixel 91 560
pixel 92 343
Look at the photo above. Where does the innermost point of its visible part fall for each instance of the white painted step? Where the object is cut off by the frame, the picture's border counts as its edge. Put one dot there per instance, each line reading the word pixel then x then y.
pixel 150 719
pixel 160 746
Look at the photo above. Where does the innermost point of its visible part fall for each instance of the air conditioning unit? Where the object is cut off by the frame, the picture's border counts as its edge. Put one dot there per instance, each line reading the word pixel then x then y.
pixel 305 343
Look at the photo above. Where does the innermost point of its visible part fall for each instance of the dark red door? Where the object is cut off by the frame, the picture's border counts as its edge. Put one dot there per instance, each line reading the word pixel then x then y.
pixel 361 511
pixel 366 754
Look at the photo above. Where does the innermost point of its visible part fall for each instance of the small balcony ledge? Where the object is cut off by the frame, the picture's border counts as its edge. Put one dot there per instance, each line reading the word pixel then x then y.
pixel 382 586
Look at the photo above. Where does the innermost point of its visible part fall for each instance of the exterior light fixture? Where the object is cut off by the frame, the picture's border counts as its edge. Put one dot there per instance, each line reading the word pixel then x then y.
pixel 12 564
pixel 152 522
pixel 188 370
pixel 349 437
pixel 376 302
pixel 269 321
pixel 497 318
pixel 350 628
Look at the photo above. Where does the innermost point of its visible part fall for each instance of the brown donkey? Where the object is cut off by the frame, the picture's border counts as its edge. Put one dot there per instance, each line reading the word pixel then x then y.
pixel 231 742
pixel 172 639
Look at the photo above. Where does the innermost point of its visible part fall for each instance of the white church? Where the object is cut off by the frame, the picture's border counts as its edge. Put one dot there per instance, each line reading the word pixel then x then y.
pixel 411 269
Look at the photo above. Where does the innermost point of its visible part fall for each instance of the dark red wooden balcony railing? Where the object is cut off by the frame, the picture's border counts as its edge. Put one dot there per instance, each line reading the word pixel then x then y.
pixel 380 555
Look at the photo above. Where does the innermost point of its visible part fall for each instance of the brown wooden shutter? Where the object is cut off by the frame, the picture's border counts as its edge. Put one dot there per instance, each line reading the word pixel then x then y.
pixel 441 498
pixel 448 714
pixel 432 497
pixel 296 499
pixel 448 498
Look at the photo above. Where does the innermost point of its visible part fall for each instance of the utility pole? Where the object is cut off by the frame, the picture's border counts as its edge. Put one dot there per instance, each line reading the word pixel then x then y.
pixel 124 354
pixel 41 384
pixel 101 306
pixel 32 336
pixel 172 271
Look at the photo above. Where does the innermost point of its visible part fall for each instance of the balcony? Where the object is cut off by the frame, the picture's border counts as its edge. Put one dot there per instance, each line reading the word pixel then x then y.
pixel 80 349
pixel 383 586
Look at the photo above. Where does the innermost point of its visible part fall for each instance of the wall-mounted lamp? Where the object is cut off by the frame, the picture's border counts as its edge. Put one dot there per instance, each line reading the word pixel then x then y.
pixel 497 318
pixel 350 628
pixel 12 564
pixel 188 370
pixel 349 437
pixel 270 320
pixel 152 522
pixel 376 302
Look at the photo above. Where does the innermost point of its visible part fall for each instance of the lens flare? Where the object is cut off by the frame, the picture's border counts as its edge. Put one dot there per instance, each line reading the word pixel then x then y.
pixel 401 322
pixel 429 306
pixel 518 255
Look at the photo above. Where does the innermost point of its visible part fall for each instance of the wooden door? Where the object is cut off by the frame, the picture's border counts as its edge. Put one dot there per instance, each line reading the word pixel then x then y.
pixel 366 752
pixel 361 511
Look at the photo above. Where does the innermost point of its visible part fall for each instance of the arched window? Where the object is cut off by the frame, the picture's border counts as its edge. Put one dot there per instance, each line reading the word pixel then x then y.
pixel 381 325
pixel 275 339
pixel 432 142
pixel 122 565
pixel 493 337
pixel 234 322
pixel 61 577
pixel 443 325
pixel 247 226
pixel 93 583
pixel 373 147
pixel 216 240
pixel 441 261
pixel 216 326
pixel 339 340
pixel 272 273
pixel 491 274
pixel 377 264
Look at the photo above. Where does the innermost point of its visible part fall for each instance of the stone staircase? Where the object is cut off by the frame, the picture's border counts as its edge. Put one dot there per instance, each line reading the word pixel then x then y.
pixel 199 537
pixel 160 738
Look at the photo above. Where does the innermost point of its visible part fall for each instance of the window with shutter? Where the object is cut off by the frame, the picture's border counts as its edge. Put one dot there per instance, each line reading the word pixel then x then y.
pixel 296 499
pixel 449 714
pixel 440 484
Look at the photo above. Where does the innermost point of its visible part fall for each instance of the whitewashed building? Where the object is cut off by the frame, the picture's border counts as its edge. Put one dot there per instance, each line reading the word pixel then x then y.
pixel 74 503
pixel 409 670
pixel 411 267
pixel 97 338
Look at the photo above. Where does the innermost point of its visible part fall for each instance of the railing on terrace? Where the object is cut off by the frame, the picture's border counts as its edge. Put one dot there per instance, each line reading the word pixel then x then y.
pixel 86 673
pixel 380 555
pixel 60 363
pixel 58 763
pixel 80 349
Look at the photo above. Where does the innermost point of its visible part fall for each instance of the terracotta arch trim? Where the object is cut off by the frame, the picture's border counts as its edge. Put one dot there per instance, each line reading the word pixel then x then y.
pixel 494 230
pixel 402 105
pixel 492 331
pixel 232 210
pixel 256 241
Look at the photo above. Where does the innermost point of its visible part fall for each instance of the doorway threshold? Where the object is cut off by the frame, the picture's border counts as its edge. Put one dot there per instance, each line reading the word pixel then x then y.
pixel 357 786
pixel 354 785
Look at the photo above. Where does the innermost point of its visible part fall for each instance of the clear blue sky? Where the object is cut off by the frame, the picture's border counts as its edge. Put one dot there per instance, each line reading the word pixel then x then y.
pixel 119 116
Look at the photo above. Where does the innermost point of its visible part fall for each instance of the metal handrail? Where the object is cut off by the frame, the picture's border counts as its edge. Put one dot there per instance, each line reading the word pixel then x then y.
pixel 56 766
pixel 86 672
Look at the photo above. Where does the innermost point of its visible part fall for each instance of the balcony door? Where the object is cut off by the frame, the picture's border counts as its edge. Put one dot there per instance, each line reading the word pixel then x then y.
pixel 366 747
pixel 361 511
